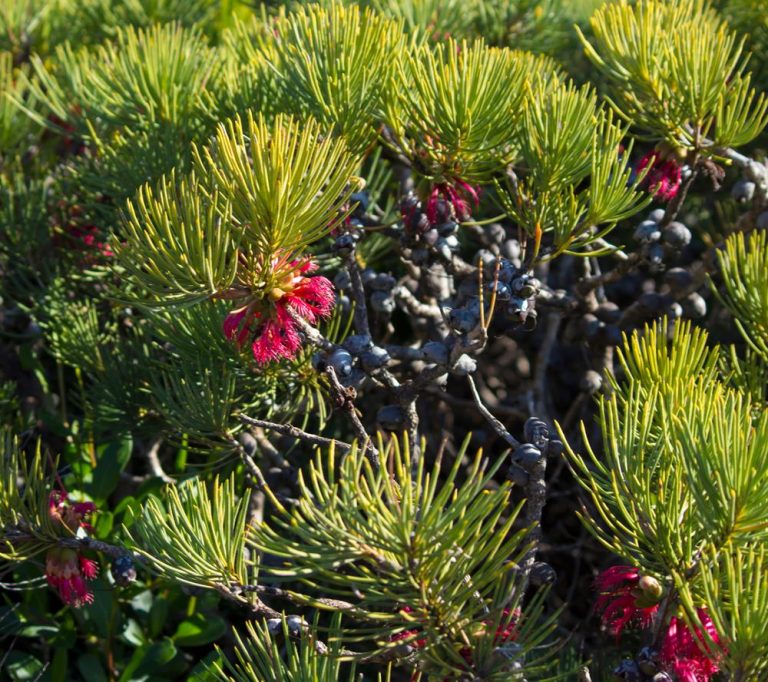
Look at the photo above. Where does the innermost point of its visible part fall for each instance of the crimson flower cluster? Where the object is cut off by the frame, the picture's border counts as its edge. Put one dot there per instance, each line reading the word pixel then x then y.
pixel 268 324
pixel 66 570
pixel 458 195
pixel 685 653
pixel 626 597
pixel 664 175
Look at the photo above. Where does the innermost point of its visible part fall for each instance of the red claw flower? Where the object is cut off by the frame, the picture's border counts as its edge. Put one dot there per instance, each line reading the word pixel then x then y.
pixel 664 176
pixel 73 516
pixel 626 597
pixel 66 571
pixel 268 321
pixel 685 653
pixel 455 197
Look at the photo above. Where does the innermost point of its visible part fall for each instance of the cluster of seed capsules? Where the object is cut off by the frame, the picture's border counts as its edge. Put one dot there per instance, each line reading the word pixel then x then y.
pixel 422 236
pixel 511 290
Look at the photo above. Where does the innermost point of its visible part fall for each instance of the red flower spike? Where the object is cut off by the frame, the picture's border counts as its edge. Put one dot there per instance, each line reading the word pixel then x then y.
pixel 457 195
pixel 268 322
pixel 626 598
pixel 682 653
pixel 67 572
pixel 664 176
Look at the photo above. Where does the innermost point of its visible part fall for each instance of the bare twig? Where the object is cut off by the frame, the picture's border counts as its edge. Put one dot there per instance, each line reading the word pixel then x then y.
pixel 293 431
pixel 496 425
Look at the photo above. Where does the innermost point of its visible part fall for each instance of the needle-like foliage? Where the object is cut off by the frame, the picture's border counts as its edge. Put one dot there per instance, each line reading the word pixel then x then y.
pixel 677 72
pixel 196 536
pixel 342 84
pixel 306 659
pixel 567 139
pixel 398 537
pixel 455 107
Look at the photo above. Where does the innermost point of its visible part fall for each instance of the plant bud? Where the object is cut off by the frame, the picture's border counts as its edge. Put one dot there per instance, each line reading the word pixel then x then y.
pixel 511 249
pixel 391 417
pixel 295 624
pixel 341 361
pixel 655 254
pixel 343 244
pixel 342 280
pixel 656 215
pixel 362 199
pixel 507 271
pixel 319 362
pixel 275 625
pixel 651 589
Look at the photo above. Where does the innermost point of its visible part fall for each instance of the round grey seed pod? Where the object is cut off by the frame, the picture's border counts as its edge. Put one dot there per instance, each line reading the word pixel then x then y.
pixel 555 447
pixel 511 249
pixel 517 475
pixel 383 302
pixel 608 312
pixel 358 343
pixel 436 351
pixel 591 382
pixel 123 571
pixel 431 237
pixel 655 254
pixel 678 279
pixel 452 242
pixel 341 361
pixel 342 280
pixel 675 311
pixel 295 624
pixel 503 292
pixel 694 306
pixel 383 282
pixel 447 229
pixel 464 365
pixel 627 670
pixel 526 455
pixel 390 417
pixel 676 234
pixel 646 232
pixel 656 215
pixel 495 233
pixel 374 359
pixel 542 574
pixel 536 431
pixel 463 320
pixel 743 191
